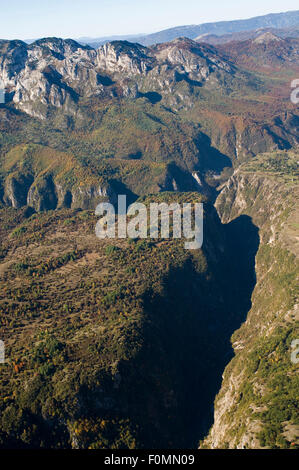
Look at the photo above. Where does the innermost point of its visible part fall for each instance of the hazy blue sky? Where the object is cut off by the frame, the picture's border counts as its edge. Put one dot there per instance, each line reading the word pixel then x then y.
pixel 26 19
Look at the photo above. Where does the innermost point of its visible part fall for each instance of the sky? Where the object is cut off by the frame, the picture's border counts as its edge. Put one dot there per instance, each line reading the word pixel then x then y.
pixel 29 19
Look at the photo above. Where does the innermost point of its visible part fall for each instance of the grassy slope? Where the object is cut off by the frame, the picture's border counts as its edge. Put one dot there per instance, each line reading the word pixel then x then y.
pixel 69 172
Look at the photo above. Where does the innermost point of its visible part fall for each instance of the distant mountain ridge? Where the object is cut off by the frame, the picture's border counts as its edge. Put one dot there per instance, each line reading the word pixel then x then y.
pixel 272 20
pixel 285 24
pixel 265 52
pixel 282 33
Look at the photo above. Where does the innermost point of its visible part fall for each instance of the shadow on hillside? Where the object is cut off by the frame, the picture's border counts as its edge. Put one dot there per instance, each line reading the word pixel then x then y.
pixel 152 96
pixel 187 336
pixel 211 159
pixel 242 244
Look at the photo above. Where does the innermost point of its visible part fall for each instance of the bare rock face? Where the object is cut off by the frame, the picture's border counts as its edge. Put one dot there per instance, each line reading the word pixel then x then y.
pixel 88 197
pixel 13 57
pixel 161 67
pixel 54 73
pixel 42 195
pixel 196 59
pixel 44 192
pixel 16 190
pixel 122 57
pixel 50 72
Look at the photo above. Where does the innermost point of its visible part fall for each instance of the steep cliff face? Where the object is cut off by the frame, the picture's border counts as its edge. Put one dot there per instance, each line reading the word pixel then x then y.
pixel 50 72
pixel 195 61
pixel 124 57
pixel 45 179
pixel 257 403
pixel 41 193
pixel 56 73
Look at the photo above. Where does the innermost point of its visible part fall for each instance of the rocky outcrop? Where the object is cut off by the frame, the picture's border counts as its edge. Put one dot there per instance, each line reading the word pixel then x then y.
pixel 16 190
pixel 43 193
pixel 49 73
pixel 56 73
pixel 122 57
pixel 87 197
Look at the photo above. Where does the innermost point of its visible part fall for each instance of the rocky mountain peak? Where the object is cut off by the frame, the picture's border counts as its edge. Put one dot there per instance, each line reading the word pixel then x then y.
pixel 55 73
pixel 124 57
pixel 194 57
pixel 58 45
pixel 267 38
